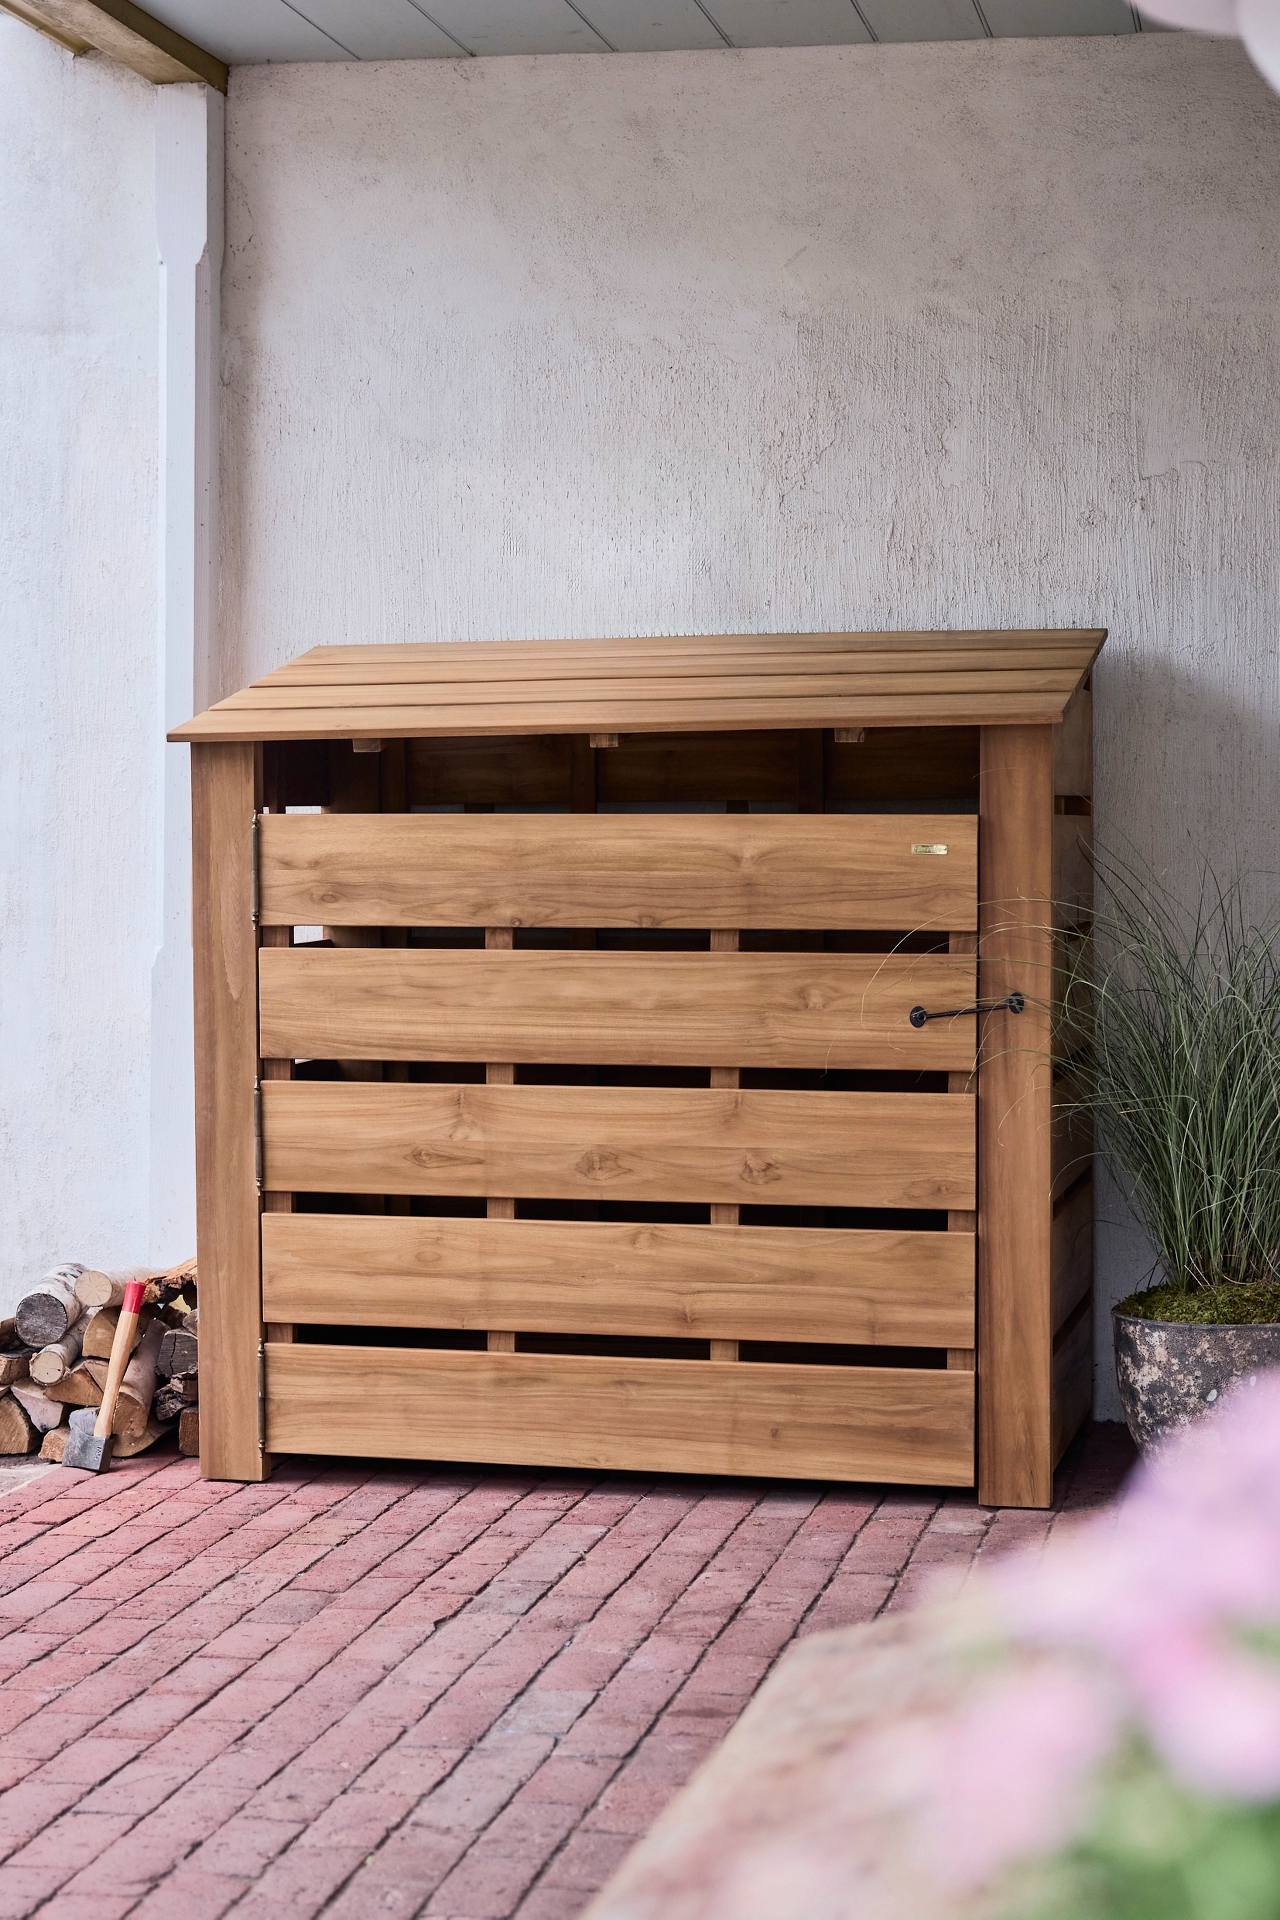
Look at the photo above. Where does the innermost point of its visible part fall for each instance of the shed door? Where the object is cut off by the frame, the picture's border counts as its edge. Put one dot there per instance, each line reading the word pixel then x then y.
pixel 664 1176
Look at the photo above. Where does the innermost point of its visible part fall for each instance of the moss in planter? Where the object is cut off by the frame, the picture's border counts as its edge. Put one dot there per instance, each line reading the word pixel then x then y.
pixel 1240 1306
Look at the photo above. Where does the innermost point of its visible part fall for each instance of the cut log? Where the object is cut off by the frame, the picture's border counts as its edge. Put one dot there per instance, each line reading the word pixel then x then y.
pixel 127 1444
pixel 15 1363
pixel 106 1289
pixel 6 1332
pixel 41 1411
pixel 179 1352
pixel 179 1392
pixel 17 1433
pixel 54 1362
pixel 179 1279
pixel 82 1387
pixel 45 1313
pixel 100 1331
pixel 189 1432
pixel 54 1444
pixel 137 1389
pixel 192 1322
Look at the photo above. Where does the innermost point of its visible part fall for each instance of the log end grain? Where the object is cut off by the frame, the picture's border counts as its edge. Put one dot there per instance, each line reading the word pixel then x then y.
pixel 17 1431
pixel 189 1432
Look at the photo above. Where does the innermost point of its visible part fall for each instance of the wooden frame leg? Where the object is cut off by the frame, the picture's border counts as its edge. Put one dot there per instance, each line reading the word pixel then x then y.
pixel 225 956
pixel 1015 1112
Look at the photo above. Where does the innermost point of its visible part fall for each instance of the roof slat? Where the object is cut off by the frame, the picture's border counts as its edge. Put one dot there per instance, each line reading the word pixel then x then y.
pixel 662 685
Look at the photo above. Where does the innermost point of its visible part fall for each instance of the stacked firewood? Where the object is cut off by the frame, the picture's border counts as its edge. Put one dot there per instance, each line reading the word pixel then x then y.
pixel 54 1354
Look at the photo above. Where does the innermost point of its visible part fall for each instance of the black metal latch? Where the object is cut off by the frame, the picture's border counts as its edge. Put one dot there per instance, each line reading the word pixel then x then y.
pixel 1014 1002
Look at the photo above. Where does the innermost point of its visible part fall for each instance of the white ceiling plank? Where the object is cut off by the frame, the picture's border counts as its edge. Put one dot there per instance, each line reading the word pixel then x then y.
pixel 789 23
pixel 382 29
pixel 248 32
pixel 1028 19
pixel 899 20
pixel 516 26
pixel 652 26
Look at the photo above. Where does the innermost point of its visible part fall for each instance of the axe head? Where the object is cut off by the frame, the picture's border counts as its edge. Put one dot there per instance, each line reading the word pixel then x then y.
pixel 84 1449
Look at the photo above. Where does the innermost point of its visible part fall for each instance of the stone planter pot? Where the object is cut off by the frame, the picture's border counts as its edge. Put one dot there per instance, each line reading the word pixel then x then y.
pixel 1170 1373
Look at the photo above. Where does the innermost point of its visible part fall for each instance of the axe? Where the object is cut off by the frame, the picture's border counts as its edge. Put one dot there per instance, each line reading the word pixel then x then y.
pixel 91 1440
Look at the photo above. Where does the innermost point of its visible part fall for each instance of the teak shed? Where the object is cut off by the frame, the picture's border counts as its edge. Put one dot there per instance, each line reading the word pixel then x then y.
pixel 558 1095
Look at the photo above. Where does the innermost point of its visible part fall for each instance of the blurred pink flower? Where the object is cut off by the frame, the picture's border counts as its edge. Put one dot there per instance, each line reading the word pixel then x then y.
pixel 1166 1591
pixel 1213 1714
pixel 1010 1771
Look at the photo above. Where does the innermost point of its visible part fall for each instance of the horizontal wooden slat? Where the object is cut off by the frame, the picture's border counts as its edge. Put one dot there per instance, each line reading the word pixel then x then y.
pixel 672 683
pixel 662 1009
pixel 764 653
pixel 1072 868
pixel 651 1416
pixel 1071 1143
pixel 866 1288
pixel 638 1144
pixel 1071 1253
pixel 619 870
pixel 1073 747
pixel 1058 676
pixel 1072 1394
pixel 424 717
pixel 913 764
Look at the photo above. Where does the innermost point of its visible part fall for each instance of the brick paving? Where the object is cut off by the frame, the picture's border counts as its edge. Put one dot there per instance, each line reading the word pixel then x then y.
pixel 365 1689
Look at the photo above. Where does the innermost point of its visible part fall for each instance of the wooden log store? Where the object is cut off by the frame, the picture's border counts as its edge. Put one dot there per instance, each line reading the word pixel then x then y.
pixel 559 1099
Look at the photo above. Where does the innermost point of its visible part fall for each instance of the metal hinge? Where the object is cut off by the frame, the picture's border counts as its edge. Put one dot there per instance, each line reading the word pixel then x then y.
pixel 254 865
pixel 262 1396
pixel 257 1135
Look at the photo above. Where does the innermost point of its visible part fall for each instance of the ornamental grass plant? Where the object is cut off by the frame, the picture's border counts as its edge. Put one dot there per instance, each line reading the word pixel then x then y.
pixel 1172 1043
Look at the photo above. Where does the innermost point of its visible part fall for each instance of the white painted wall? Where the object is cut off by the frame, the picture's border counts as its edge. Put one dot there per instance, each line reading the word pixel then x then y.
pixel 904 336
pixel 78 403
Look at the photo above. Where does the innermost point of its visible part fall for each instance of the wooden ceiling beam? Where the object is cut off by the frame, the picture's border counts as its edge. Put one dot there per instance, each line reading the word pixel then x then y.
pixel 124 33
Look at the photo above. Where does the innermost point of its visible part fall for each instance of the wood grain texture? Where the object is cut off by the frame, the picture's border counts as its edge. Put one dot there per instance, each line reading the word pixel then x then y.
pixel 1015 1459
pixel 869 1288
pixel 618 870
pixel 433 665
pixel 1072 1382
pixel 791 680
pixel 654 1416
pixel 1072 869
pixel 660 1009
pixel 621 1143
pixel 280 938
pixel 1073 746
pixel 919 765
pixel 878 676
pixel 1071 1252
pixel 226 1024
pixel 729 714
pixel 1070 1143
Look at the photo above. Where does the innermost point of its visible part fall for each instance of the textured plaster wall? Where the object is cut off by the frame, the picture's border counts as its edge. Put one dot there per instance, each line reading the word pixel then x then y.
pixel 899 336
pixel 77 653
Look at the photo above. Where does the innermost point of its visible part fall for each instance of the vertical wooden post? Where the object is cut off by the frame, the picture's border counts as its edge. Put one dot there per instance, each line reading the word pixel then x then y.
pixel 960 1359
pixel 278 1331
pixel 1015 1111
pixel 500 1073
pixel 724 1214
pixel 225 957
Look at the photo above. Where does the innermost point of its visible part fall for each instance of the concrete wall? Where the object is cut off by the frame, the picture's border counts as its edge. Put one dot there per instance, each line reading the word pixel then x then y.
pixel 902 336
pixel 78 695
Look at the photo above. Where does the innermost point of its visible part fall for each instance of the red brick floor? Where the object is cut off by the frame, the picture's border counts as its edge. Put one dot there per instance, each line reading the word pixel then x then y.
pixel 364 1689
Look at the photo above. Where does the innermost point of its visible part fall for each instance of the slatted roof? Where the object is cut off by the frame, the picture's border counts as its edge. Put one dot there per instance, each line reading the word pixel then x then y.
pixel 671 685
